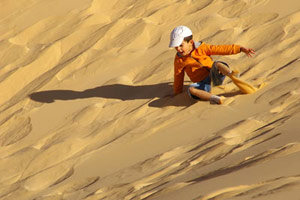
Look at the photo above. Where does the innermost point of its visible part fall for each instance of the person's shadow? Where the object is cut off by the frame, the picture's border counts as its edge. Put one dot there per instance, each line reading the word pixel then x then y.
pixel 157 94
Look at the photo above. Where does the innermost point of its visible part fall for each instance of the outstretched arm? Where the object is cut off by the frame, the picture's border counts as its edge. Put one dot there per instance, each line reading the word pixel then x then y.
pixel 247 51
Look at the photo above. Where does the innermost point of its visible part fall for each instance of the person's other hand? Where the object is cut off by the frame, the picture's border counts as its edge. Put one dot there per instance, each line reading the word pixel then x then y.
pixel 249 52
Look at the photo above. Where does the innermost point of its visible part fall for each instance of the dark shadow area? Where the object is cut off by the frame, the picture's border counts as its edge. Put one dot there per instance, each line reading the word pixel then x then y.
pixel 161 91
pixel 231 94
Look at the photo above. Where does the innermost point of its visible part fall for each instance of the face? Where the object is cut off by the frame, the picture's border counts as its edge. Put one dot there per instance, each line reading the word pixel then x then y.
pixel 185 48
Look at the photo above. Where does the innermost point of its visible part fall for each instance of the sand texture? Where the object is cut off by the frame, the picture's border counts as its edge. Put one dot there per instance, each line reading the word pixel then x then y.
pixel 86 111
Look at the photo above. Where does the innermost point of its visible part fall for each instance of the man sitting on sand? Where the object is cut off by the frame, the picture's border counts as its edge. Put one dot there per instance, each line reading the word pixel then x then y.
pixel 193 58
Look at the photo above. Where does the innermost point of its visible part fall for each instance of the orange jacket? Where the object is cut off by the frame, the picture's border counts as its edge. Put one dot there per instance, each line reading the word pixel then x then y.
pixel 197 65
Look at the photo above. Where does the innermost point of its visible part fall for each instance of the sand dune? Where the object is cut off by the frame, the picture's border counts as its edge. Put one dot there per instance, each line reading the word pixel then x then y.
pixel 86 111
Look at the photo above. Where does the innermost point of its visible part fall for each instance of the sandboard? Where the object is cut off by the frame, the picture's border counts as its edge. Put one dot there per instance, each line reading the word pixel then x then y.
pixel 244 87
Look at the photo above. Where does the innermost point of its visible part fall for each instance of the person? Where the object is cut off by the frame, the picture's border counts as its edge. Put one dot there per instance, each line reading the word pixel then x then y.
pixel 194 59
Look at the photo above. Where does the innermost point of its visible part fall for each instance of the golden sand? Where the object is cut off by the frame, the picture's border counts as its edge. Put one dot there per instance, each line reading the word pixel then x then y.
pixel 86 111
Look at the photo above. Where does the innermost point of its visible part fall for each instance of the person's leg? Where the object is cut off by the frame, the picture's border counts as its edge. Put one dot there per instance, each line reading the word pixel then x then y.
pixel 225 70
pixel 202 94
pixel 201 90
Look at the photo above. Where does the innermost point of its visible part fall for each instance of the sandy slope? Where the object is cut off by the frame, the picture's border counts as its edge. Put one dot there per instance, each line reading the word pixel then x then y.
pixel 85 111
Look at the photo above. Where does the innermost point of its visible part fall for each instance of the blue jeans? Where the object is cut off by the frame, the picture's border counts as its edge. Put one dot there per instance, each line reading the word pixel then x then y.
pixel 205 84
pixel 202 85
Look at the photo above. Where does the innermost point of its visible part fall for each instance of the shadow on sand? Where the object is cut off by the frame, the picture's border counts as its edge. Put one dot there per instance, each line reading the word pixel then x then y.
pixel 157 94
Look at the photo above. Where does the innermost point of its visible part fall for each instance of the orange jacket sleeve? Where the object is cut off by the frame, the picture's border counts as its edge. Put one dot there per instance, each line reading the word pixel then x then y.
pixel 221 49
pixel 178 78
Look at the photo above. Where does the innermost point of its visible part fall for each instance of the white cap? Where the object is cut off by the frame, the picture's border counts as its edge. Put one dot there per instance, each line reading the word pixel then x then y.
pixel 178 34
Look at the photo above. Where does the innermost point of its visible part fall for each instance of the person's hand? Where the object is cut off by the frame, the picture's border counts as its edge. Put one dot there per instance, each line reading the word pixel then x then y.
pixel 247 51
